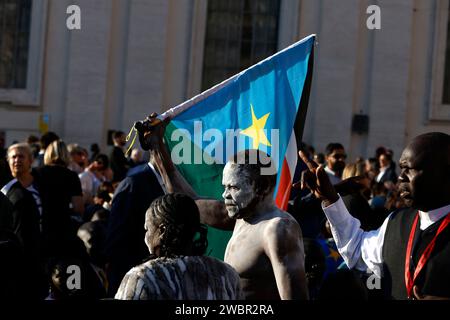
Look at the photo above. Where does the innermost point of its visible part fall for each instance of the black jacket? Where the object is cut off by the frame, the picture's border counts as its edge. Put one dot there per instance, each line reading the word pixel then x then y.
pixel 125 246
pixel 119 164
pixel 25 219
pixel 25 224
pixel 6 211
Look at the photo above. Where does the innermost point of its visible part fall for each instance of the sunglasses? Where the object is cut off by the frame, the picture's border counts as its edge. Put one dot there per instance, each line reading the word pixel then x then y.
pixel 339 156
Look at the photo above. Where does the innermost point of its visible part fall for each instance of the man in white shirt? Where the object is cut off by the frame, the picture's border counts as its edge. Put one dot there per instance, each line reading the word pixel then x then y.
pixel 92 177
pixel 411 250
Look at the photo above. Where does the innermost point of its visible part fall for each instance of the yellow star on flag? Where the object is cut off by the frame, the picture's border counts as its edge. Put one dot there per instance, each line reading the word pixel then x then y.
pixel 256 130
pixel 334 254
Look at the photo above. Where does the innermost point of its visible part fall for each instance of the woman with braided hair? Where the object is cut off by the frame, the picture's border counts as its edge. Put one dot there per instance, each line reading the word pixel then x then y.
pixel 177 269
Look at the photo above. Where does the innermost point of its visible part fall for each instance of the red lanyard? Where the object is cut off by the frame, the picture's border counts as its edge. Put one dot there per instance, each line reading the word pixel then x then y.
pixel 409 279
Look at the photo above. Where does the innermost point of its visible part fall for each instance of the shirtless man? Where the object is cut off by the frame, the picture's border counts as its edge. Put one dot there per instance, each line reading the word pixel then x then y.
pixel 266 247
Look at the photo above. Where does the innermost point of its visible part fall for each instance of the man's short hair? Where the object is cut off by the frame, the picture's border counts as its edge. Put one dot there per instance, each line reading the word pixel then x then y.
pixel 32 139
pixel 388 156
pixel 258 167
pixel 379 151
pixel 21 146
pixel 333 146
pixel 118 134
pixel 103 158
pixel 75 149
pixel 47 138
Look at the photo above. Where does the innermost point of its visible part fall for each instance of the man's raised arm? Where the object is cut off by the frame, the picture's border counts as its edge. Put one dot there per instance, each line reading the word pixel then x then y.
pixel 359 249
pixel 151 132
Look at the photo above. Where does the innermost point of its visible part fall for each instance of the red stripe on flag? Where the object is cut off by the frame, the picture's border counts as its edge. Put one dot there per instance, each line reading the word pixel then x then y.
pixel 284 187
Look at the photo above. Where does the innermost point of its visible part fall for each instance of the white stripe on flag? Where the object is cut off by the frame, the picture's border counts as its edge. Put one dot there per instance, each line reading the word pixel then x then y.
pixel 291 154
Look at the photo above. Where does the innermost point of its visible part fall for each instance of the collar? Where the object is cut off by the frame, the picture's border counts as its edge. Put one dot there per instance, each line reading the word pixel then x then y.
pixel 8 186
pixel 91 174
pixel 430 217
pixel 383 169
pixel 330 171
pixel 158 176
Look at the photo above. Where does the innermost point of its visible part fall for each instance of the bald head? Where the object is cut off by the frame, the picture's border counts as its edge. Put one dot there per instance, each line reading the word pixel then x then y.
pixel 432 146
pixel 425 171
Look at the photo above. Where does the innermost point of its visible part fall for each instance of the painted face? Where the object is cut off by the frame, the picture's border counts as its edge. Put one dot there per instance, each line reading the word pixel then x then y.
pixel 421 178
pixel 239 195
pixel 19 162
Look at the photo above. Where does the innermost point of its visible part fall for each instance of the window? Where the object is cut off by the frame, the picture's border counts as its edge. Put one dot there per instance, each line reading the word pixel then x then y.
pixel 446 88
pixel 15 17
pixel 22 40
pixel 238 35
pixel 439 109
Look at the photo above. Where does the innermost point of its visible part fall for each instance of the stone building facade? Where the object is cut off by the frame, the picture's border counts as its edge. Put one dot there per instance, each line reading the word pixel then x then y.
pixel 131 58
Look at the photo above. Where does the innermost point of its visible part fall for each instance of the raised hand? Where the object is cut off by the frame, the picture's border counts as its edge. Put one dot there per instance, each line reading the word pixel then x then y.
pixel 316 179
pixel 151 131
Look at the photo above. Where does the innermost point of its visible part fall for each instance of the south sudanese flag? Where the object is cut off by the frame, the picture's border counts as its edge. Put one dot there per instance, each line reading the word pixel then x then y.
pixel 263 107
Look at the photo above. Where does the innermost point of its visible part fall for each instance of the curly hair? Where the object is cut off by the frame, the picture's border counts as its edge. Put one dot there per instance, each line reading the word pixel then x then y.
pixel 178 215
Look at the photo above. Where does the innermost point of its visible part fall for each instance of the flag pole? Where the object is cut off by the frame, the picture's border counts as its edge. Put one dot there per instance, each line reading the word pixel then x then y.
pixel 174 111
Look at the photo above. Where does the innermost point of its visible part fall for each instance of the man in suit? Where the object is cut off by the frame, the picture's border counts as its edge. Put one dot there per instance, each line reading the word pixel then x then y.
pixel 125 247
pixel 387 169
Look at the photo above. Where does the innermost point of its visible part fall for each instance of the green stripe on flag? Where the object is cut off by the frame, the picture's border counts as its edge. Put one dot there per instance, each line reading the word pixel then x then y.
pixel 206 180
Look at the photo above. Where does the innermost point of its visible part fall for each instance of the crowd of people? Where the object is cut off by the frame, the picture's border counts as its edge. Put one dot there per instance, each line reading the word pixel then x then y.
pixel 56 202
pixel 90 225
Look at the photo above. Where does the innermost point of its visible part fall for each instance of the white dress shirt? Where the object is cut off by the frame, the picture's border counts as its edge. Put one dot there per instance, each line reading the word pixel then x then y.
pixel 332 175
pixel 363 250
pixel 89 183
pixel 381 174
